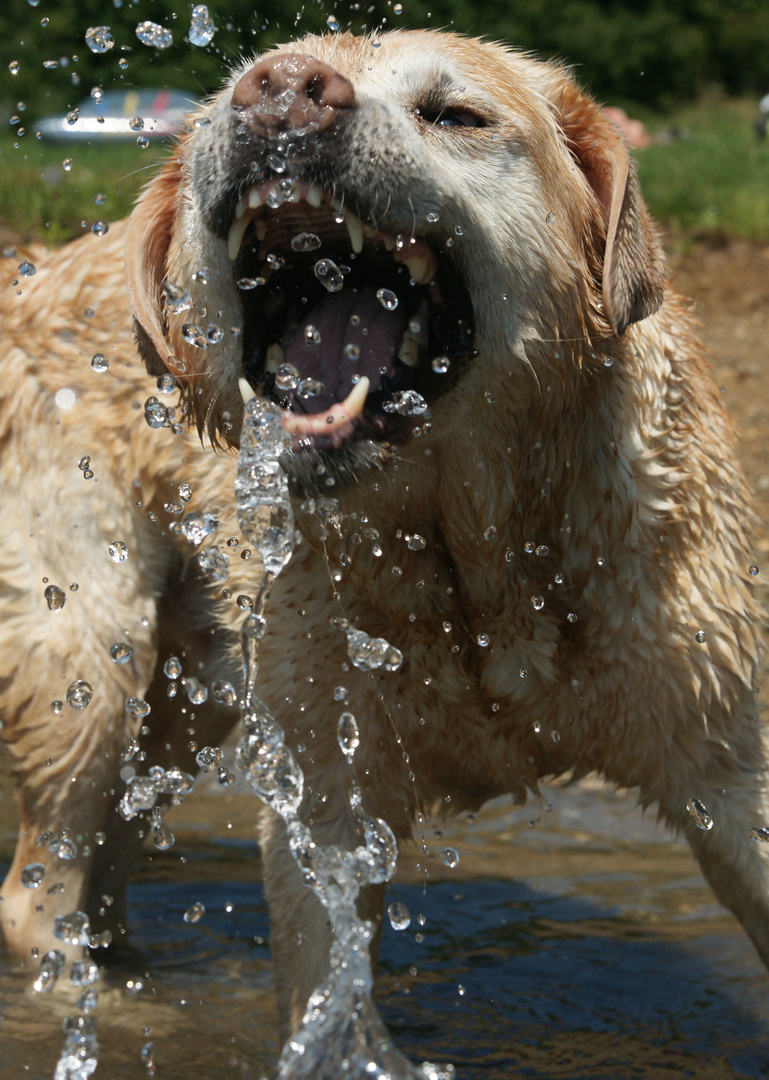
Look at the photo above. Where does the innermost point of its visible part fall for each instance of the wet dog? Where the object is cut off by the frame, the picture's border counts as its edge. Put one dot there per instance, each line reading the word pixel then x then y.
pixel 509 460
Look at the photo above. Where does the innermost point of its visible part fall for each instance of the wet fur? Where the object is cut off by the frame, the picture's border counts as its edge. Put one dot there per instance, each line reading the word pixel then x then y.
pixel 624 469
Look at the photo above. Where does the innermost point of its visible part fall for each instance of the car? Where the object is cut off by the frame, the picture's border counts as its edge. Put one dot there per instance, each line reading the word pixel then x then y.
pixel 121 114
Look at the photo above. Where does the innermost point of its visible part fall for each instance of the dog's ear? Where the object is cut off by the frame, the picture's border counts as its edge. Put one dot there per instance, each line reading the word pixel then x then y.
pixel 634 274
pixel 150 228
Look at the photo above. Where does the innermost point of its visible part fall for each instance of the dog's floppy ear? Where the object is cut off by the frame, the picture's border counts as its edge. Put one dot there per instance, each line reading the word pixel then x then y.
pixel 150 228
pixel 633 279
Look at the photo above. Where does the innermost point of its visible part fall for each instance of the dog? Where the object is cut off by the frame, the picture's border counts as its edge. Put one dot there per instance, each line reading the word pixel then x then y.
pixel 508 457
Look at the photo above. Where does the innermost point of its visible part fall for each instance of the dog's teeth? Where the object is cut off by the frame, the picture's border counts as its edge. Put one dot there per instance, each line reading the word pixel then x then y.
pixel 245 390
pixel 408 353
pixel 254 198
pixel 355 229
pixel 260 228
pixel 235 238
pixel 356 399
pixel 314 196
pixel 274 357
pixel 421 268
pixel 389 243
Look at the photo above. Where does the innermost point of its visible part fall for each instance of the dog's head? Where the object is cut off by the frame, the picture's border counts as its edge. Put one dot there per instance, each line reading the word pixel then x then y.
pixel 367 228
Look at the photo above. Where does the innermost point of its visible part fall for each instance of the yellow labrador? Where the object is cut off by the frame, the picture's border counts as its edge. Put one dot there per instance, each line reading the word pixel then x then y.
pixel 432 252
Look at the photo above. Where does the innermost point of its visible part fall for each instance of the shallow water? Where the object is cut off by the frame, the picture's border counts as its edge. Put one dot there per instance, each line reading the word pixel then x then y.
pixel 584 946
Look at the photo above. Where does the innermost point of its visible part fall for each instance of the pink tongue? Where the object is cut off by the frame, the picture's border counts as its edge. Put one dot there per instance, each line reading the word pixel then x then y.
pixel 358 336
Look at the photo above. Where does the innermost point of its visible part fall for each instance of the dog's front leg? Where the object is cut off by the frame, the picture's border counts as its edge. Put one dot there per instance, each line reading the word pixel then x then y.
pixel 300 927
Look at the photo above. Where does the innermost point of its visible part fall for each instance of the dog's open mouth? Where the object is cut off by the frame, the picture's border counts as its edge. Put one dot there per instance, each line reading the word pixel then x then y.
pixel 354 332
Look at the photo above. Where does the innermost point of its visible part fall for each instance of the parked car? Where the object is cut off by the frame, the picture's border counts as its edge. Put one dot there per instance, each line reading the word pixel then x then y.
pixel 121 114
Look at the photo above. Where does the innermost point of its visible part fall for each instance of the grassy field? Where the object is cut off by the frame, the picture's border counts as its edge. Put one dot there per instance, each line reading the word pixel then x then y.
pixel 706 173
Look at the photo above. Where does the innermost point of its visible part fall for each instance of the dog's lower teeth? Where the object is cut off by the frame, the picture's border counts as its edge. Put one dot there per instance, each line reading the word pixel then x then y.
pixel 408 353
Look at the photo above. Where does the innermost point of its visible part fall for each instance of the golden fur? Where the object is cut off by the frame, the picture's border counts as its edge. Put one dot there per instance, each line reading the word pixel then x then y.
pixel 583 459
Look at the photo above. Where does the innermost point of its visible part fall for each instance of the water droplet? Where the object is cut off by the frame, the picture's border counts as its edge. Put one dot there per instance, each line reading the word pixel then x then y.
pixel 154 35
pixel 550 218
pixel 172 668
pixel 537 602
pixel 100 228
pixel 332 23
pixel 407 403
pixel 215 564
pixel 210 758
pixel 195 527
pixel 753 570
pixel 99 39
pixel 55 597
pixel 79 694
pixel 367 653
pixel 99 363
pixel 399 915
pixel 27 269
pixel 84 973
pixel 608 361
pixel 202 27
pixel 329 275
pixel 529 547
pixel 51 967
pixel 483 640
pixel 415 542
pixel 162 837
pixel 523 673
pixel 759 833
pixel 121 653
pixel 387 299
pixel 196 691
pixel 490 532
pixel 542 549
pixel 72 929
pixel 305 241
pixel 347 734
pixel 118 551
pixel 310 387
pixel 14 67
pixel 138 707
pixel 450 857
pixel 32 875
pixel 224 692
pixel 194 913
pixel 698 811
pixel 700 636
pixel 571 617
pixel 141 794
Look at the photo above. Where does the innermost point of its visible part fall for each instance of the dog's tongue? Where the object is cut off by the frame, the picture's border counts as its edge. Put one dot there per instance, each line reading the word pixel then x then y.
pixel 347 333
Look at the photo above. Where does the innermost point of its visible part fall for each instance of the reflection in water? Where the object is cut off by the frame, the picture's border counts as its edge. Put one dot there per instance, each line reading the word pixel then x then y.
pixel 586 946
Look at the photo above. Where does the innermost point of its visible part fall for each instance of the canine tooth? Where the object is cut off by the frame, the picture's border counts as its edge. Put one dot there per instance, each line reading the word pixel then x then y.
pixel 314 196
pixel 408 353
pixel 389 243
pixel 421 269
pixel 254 198
pixel 245 390
pixel 235 237
pixel 355 229
pixel 356 399
pixel 274 357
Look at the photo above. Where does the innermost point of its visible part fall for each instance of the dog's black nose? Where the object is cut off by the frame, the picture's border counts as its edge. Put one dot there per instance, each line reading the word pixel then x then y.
pixel 292 92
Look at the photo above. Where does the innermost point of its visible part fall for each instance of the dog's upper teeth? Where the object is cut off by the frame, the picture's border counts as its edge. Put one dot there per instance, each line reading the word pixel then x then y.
pixel 245 390
pixel 314 196
pixel 408 353
pixel 421 267
pixel 355 229
pixel 255 198
pixel 274 357
pixel 235 237
pixel 389 242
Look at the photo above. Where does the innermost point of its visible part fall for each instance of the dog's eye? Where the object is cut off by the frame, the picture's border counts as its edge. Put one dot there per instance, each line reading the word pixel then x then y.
pixel 450 118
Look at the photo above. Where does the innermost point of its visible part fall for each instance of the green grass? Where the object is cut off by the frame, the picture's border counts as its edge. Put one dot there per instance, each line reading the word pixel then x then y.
pixel 707 173
pixel 40 198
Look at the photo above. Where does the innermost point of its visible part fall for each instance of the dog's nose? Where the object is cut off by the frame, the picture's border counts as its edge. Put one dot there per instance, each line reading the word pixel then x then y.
pixel 291 93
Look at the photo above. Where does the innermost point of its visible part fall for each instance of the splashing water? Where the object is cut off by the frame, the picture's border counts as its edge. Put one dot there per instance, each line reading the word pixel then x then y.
pixel 341 1030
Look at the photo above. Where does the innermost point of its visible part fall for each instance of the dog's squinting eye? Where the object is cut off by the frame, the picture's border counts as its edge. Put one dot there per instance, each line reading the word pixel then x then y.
pixel 450 118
